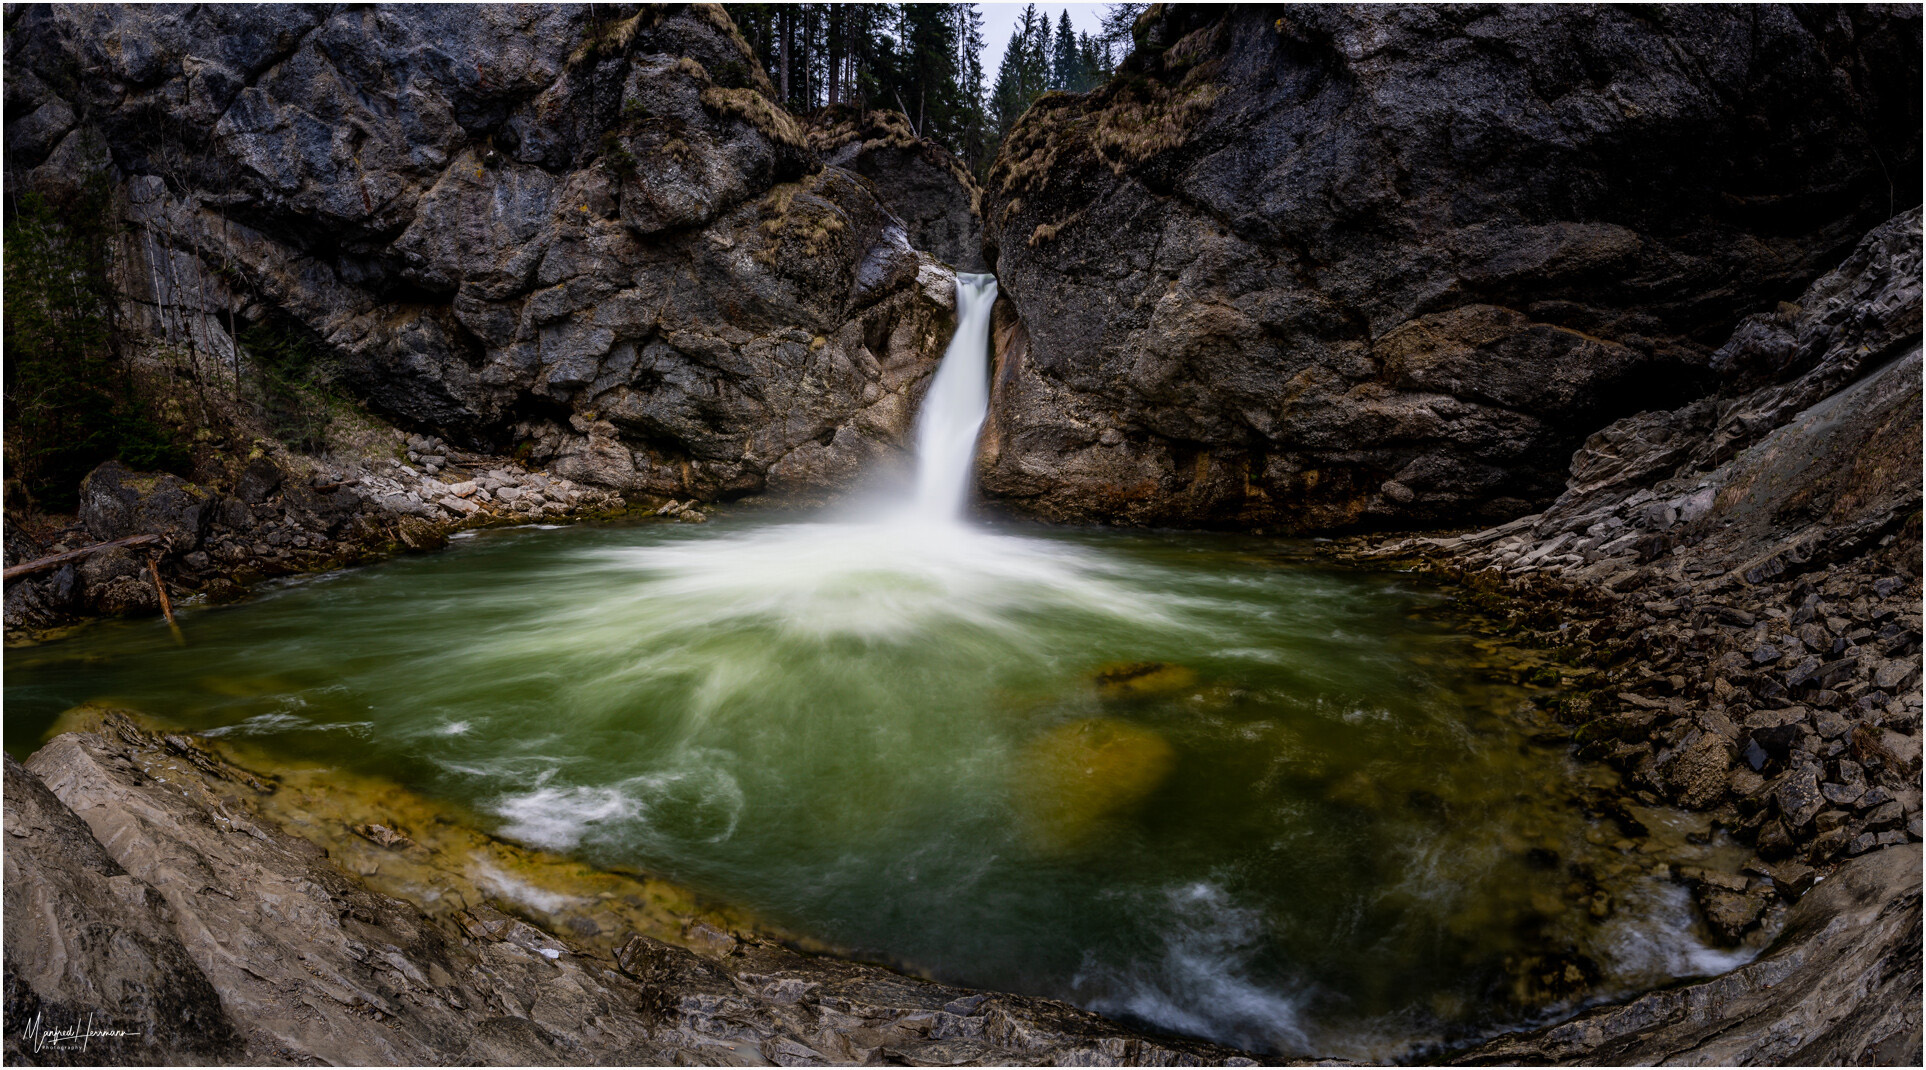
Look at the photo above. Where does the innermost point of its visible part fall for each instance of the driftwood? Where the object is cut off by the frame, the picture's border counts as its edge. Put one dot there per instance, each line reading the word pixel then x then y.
pixel 153 570
pixel 56 560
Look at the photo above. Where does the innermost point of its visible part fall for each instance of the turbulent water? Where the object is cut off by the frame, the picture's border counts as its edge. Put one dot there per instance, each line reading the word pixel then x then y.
pixel 1193 781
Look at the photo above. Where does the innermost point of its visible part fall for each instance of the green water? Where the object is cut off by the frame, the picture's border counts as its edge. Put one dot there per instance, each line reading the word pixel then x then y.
pixel 1307 818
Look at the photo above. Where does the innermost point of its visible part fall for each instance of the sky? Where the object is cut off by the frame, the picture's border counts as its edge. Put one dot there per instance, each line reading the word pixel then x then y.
pixel 999 20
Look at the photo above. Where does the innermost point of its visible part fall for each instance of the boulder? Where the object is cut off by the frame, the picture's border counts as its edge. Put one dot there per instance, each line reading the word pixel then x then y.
pixel 259 480
pixel 116 502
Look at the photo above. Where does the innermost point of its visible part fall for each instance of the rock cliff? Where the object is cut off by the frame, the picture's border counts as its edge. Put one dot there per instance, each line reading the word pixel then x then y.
pixel 1317 267
pixel 582 231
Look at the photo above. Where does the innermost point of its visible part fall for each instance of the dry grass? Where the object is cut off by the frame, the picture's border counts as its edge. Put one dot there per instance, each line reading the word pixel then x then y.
pixel 814 222
pixel 1049 132
pixel 758 111
pixel 614 39
pixel 1047 232
pixel 1153 118
pixel 839 125
pixel 1124 124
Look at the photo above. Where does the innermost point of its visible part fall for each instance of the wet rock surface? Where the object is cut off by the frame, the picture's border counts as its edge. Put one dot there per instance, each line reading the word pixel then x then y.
pixel 309 963
pixel 1309 268
pixel 1841 988
pixel 584 234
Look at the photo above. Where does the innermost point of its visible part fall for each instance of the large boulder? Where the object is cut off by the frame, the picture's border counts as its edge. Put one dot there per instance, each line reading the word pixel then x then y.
pixel 1328 266
pixel 116 502
pixel 586 230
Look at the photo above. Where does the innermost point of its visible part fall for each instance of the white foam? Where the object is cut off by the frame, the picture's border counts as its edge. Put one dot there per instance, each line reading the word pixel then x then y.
pixel 1653 939
pixel 560 818
pixel 267 724
pixel 1200 983
pixel 694 800
pixel 515 890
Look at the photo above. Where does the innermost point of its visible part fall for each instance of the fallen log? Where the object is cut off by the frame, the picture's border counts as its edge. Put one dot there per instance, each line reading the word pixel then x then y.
pixel 56 560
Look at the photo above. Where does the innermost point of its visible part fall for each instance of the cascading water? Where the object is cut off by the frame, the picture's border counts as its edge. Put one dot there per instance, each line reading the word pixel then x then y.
pixel 958 400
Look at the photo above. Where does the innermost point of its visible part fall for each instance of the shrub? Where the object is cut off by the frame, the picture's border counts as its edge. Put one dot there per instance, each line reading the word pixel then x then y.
pixel 291 389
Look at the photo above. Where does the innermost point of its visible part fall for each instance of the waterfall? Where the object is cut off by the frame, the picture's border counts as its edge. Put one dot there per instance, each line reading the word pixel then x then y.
pixel 958 400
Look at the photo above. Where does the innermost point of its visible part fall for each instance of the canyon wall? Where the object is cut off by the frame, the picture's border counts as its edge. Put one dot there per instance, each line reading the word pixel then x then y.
pixel 1326 267
pixel 583 232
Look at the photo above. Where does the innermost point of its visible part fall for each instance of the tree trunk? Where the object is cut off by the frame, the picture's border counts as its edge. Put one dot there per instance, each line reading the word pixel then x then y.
pixel 835 54
pixel 784 30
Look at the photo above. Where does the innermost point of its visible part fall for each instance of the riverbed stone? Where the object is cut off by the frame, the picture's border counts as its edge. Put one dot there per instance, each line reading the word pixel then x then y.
pixel 1799 797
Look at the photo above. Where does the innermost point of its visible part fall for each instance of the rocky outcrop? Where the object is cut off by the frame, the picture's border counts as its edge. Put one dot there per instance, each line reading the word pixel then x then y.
pixel 582 232
pixel 309 964
pixel 1309 268
pixel 88 942
pixel 926 187
pixel 1840 988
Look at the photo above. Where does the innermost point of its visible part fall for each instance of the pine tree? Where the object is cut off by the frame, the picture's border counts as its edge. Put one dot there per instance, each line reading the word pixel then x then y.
pixel 1066 71
pixel 1025 73
pixel 924 59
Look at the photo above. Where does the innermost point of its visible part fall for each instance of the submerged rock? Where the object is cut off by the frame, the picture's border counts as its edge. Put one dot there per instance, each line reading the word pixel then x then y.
pixel 1075 777
pixel 1142 678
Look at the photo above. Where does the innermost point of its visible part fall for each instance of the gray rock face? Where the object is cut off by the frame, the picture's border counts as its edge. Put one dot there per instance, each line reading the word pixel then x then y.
pixel 1840 988
pixel 1762 544
pixel 310 965
pixel 1809 456
pixel 584 231
pixel 920 182
pixel 85 939
pixel 1315 267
